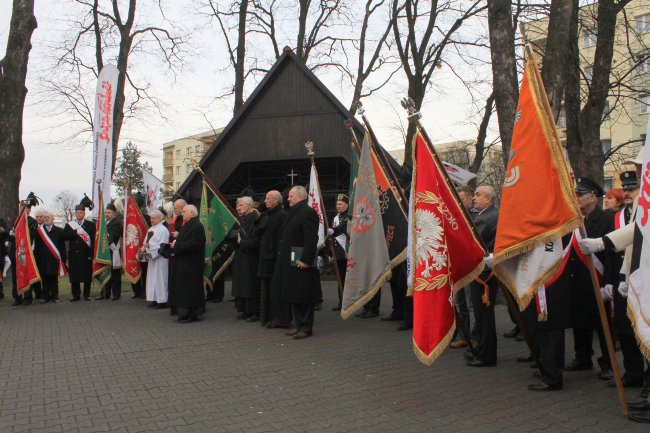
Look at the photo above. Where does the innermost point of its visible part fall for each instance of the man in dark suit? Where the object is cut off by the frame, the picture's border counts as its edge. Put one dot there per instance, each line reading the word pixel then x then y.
pixel 186 282
pixel 273 312
pixel 484 289
pixel 583 300
pixel 81 236
pixel 295 273
pixel 114 232
pixel 50 254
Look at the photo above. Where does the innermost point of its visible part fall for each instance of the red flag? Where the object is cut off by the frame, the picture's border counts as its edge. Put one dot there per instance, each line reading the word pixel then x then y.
pixel 135 230
pixel 444 254
pixel 26 270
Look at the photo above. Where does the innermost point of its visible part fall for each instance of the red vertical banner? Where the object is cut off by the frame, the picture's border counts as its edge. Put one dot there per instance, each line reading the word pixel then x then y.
pixel 26 270
pixel 135 230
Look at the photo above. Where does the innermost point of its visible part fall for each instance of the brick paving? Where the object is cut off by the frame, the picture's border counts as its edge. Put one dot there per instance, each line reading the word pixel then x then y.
pixel 106 366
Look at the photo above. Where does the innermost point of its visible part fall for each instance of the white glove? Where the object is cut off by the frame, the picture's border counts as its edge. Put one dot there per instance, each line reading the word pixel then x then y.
pixel 623 288
pixel 606 292
pixel 12 233
pixel 113 247
pixel 591 245
pixel 330 232
pixel 488 261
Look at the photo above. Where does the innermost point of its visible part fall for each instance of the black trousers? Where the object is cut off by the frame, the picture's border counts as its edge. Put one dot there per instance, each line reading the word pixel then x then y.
pixel 75 288
pixel 486 347
pixel 303 316
pixel 398 289
pixel 265 306
pixel 50 284
pixel 550 345
pixel 342 266
pixel 583 345
pixel 114 285
pixel 374 303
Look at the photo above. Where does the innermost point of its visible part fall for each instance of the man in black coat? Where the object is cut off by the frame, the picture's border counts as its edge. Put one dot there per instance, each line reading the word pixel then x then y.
pixel 81 236
pixel 273 312
pixel 583 300
pixel 486 284
pixel 338 234
pixel 186 282
pixel 296 275
pixel 245 282
pixel 50 254
pixel 114 232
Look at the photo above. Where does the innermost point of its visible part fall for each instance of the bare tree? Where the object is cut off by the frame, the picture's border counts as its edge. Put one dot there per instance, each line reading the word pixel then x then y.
pixel 65 203
pixel 114 34
pixel 423 31
pixel 13 73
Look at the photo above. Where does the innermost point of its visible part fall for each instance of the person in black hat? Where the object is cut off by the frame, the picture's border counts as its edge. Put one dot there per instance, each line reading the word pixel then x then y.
pixel 80 234
pixel 114 231
pixel 338 234
pixel 583 301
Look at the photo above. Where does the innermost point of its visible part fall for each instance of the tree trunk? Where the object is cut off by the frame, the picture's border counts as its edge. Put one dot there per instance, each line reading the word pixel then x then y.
pixel 302 29
pixel 504 69
pixel 241 57
pixel 13 73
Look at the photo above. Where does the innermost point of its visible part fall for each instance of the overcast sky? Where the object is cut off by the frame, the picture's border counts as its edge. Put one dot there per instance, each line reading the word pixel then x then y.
pixel 189 107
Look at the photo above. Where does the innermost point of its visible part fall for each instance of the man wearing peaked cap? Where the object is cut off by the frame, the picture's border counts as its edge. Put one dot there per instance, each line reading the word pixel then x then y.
pixel 338 233
pixel 80 234
pixel 629 180
pixel 588 186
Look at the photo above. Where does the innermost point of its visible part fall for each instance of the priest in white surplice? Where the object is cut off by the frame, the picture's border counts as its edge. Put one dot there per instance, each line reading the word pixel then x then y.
pixel 158 270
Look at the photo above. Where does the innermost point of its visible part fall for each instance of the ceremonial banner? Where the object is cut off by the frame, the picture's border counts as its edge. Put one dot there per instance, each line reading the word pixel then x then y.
pixel 445 254
pixel 152 191
pixel 133 235
pixel 101 252
pixel 26 269
pixel 527 253
pixel 103 133
pixel 218 220
pixel 368 265
pixel 315 202
pixel 458 175
pixel 638 299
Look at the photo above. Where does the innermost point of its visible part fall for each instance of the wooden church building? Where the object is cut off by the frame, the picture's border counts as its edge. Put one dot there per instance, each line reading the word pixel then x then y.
pixel 263 146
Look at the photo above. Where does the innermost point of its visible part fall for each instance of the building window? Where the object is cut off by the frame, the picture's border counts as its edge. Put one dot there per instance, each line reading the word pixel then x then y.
pixel 589 38
pixel 609 183
pixel 643 23
pixel 178 185
pixel 178 153
pixel 606 143
pixel 197 149
pixel 178 169
pixel 561 119
pixel 644 63
pixel 188 167
pixel 645 102
pixel 188 150
pixel 589 73
pixel 606 111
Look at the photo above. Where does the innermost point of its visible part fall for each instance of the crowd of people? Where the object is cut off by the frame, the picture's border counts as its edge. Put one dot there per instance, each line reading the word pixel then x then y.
pixel 276 281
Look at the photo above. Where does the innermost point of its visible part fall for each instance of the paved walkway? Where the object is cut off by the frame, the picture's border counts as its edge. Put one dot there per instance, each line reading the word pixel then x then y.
pixel 121 367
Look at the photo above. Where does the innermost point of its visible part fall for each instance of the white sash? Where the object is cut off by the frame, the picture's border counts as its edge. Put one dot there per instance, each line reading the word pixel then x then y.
pixel 83 235
pixel 53 249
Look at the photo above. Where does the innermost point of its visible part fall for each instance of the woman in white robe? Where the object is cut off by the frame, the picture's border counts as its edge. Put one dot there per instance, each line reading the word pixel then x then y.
pixel 158 270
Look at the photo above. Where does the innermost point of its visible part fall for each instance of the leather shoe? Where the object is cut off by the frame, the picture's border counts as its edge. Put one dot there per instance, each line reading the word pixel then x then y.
pixel 391 318
pixel 468 355
pixel 45 301
pixel 627 383
pixel 369 314
pixel 457 344
pixel 253 318
pixel 541 386
pixel 99 298
pixel 300 335
pixel 188 319
pixel 640 416
pixel 519 337
pixel 512 333
pixel 242 316
pixel 115 298
pixel 134 296
pixel 161 305
pixel 479 363
pixel 337 308
pixel 528 358
pixel 639 405
pixel 291 332
pixel 404 327
pixel 86 298
pixel 273 325
pixel 605 374
pixel 580 365
pixel 75 300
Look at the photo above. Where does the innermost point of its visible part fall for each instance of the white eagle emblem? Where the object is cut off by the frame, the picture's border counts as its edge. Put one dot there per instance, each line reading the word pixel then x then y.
pixel 429 246
pixel 132 236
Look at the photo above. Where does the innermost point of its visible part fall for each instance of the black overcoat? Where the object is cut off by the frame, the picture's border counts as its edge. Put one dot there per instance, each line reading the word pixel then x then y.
pixel 583 300
pixel 47 262
pixel 300 229
pixel 80 255
pixel 245 282
pixel 186 281
pixel 269 226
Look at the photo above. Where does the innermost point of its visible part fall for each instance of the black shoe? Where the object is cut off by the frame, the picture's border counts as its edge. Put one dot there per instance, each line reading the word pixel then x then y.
pixel 152 304
pixel 17 303
pixel 519 337
pixel 75 299
pixel 99 298
pixel 361 313
pixel 188 319
pixel 45 301
pixel 135 296
pixel 86 298
pixel 115 298
pixel 242 316
pixel 580 365
pixel 337 308
pixel 369 314
pixel 161 306
pixel 253 318
pixel 528 358
pixel 478 363
pixel 217 300
pixel 639 405
pixel 468 355
pixel 512 333
pixel 627 383
pixel 392 317
pixel 27 302
pixel 541 386
pixel 605 374
pixel 640 416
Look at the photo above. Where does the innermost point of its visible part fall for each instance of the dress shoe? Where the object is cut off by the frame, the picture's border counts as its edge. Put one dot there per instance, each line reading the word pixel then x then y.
pixel 391 318
pixel 27 302
pixel 361 313
pixel 45 301
pixel 17 303
pixel 512 333
pixel 253 318
pixel 161 306
pixel 86 298
pixel 75 300
pixel 188 319
pixel 300 335
pixel 605 374
pixel 640 416
pixel 519 337
pixel 580 365
pixel 541 386
pixel 639 405
pixel 115 298
pixel 404 326
pixel 627 383
pixel 457 344
pixel 369 314
pixel 242 316
pixel 468 355
pixel 291 332
pixel 528 358
pixel 55 300
pixel 152 304
pixel 217 300
pixel 134 296
pixel 479 363
pixel 337 308
pixel 99 298
pixel 273 325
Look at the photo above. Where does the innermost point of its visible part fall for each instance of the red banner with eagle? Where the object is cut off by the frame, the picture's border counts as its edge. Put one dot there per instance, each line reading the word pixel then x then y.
pixel 26 270
pixel 135 230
